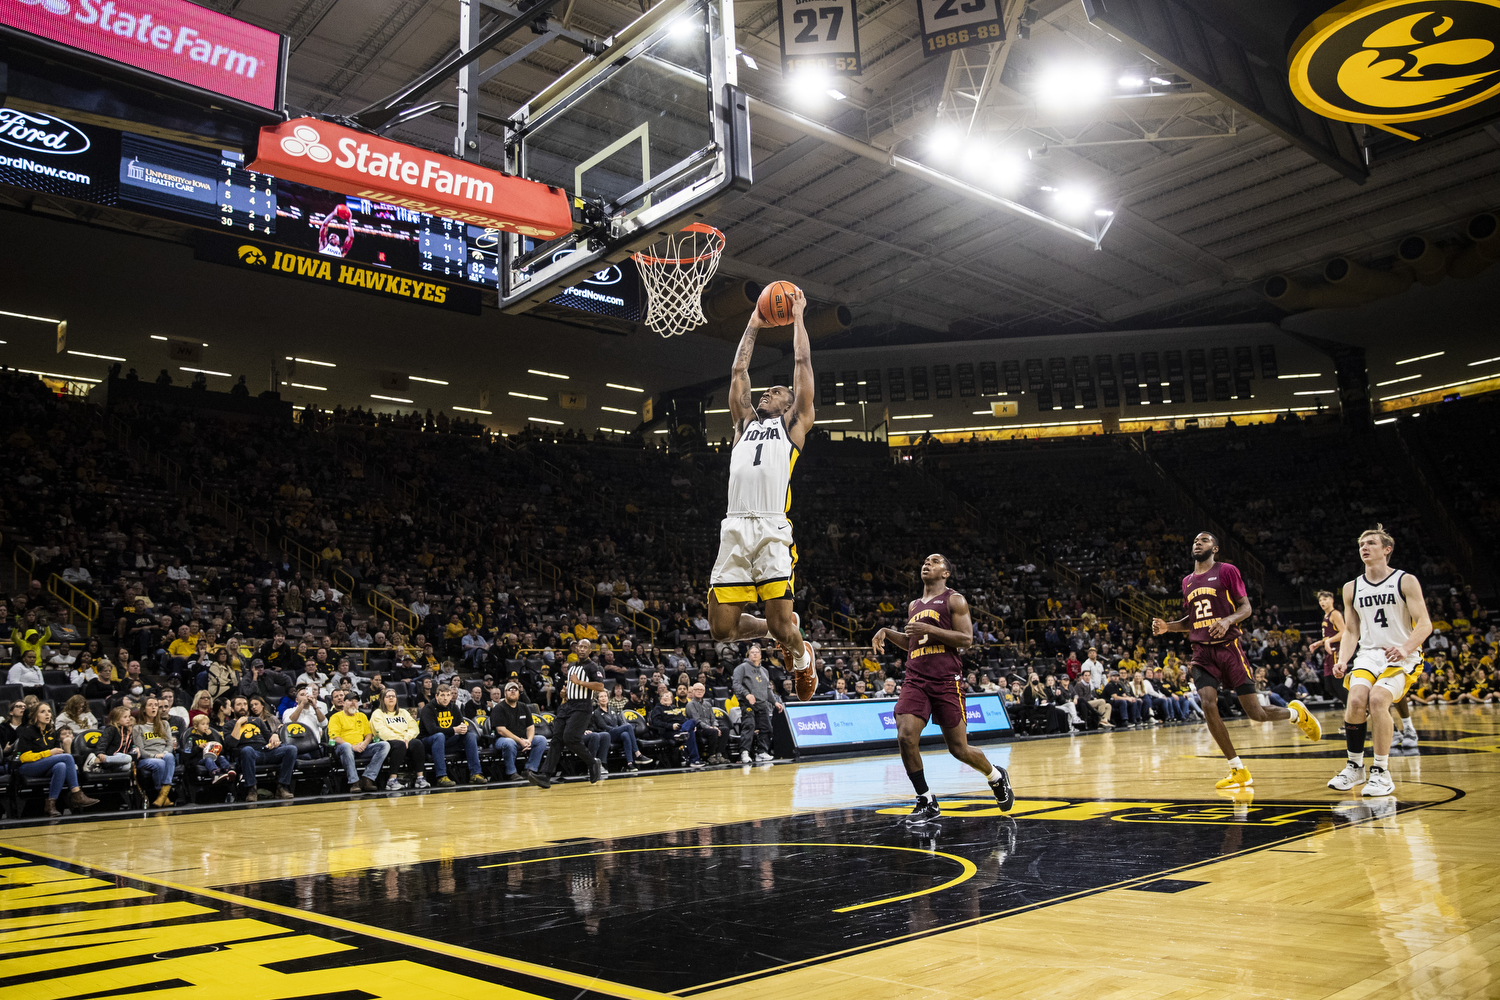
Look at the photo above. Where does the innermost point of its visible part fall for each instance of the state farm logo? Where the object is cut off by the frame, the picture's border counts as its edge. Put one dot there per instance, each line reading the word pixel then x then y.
pixel 41 133
pixel 50 6
pixel 305 141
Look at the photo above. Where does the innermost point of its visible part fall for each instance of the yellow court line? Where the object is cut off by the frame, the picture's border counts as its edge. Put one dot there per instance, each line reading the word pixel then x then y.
pixel 969 868
pixel 394 937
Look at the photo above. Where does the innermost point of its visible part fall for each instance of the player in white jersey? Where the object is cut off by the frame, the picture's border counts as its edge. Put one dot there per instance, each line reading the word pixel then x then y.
pixel 757 557
pixel 1385 624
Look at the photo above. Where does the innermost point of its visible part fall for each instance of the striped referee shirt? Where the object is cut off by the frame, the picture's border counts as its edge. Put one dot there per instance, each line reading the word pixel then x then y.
pixel 578 674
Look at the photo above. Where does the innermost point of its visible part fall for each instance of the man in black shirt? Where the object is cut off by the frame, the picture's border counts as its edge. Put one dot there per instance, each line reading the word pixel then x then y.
pixel 1129 709
pixel 444 727
pixel 582 680
pixel 515 731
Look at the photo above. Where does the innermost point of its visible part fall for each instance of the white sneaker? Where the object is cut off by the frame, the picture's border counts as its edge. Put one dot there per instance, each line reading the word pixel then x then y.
pixel 764 757
pixel 1380 783
pixel 744 756
pixel 1347 778
pixel 422 781
pixel 1408 740
pixel 393 784
pixel 696 765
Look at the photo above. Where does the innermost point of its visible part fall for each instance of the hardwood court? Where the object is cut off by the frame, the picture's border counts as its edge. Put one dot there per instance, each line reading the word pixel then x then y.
pixel 1120 873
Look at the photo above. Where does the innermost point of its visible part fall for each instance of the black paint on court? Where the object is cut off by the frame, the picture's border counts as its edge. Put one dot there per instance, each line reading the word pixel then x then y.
pixel 675 912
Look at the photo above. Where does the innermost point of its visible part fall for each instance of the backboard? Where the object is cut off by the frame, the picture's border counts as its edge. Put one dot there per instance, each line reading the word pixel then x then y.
pixel 645 138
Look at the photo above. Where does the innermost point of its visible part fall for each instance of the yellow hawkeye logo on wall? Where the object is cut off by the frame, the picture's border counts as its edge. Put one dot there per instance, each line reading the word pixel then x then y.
pixel 1383 62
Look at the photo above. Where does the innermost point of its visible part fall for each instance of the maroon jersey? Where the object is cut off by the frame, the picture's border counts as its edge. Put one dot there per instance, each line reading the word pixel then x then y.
pixel 1330 656
pixel 932 659
pixel 1211 596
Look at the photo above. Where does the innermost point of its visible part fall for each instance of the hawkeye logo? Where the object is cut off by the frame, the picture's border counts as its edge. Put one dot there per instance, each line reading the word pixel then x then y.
pixel 1389 61
pixel 251 255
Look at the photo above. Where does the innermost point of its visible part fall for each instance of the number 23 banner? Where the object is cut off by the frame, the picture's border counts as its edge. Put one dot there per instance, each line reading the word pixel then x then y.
pixel 957 24
pixel 820 35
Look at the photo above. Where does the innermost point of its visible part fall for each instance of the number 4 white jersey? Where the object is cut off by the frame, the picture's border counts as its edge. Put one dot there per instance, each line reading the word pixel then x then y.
pixel 1384 620
pixel 760 470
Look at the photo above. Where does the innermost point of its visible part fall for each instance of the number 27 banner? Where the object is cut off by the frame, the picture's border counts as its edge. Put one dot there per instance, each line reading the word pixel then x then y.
pixel 957 24
pixel 820 35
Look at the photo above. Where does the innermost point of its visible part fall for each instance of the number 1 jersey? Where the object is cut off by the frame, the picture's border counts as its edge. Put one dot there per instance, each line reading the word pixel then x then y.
pixel 760 470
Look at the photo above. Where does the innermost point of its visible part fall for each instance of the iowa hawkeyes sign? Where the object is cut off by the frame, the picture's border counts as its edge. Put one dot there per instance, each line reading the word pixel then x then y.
pixel 1386 62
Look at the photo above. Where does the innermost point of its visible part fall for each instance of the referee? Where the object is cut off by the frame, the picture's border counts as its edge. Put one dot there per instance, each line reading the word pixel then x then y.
pixel 584 679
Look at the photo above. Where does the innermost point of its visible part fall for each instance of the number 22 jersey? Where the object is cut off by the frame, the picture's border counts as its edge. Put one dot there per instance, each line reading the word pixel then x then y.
pixel 1211 596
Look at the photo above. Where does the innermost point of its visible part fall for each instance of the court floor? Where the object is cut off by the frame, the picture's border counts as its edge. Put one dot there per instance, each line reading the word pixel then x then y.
pixel 1119 873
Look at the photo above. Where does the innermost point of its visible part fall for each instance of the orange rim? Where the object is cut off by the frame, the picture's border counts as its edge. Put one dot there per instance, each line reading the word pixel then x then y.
pixel 696 227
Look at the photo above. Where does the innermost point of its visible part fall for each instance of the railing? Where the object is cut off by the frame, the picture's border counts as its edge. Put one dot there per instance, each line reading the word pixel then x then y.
pixel 394 610
pixel 82 604
pixel 341 578
pixel 995 622
pixel 305 558
pixel 845 623
pixel 642 620
pixel 28 567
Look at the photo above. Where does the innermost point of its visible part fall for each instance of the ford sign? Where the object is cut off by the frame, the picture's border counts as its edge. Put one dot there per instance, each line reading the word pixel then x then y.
pixel 41 133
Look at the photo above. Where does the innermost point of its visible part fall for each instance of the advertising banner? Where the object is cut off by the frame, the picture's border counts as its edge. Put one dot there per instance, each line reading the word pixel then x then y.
pixel 171 38
pixel 831 726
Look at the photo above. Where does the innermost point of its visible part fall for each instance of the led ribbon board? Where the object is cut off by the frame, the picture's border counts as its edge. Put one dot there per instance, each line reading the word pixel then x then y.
pixel 1388 62
pixel 866 724
pixel 174 39
pixel 339 159
pixel 957 24
pixel 820 35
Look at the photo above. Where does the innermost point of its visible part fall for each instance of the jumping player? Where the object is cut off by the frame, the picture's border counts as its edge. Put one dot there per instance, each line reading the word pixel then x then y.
pixel 1216 602
pixel 1333 628
pixel 329 241
pixel 757 556
pixel 937 627
pixel 1386 621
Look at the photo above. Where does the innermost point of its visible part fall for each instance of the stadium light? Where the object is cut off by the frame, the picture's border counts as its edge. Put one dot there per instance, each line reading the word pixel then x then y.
pixel 390 399
pixel 1071 85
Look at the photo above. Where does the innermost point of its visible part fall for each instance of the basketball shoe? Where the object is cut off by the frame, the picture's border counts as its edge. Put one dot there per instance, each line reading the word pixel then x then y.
pixel 1003 792
pixel 1408 739
pixel 1303 720
pixel 1239 777
pixel 800 663
pixel 1380 783
pixel 927 811
pixel 1352 774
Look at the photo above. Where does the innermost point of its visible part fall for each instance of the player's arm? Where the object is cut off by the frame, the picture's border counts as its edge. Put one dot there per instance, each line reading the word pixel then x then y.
pixel 1421 627
pixel 802 374
pixel 960 636
pixel 1183 624
pixel 1349 634
pixel 889 635
pixel 740 407
pixel 1336 618
pixel 1242 610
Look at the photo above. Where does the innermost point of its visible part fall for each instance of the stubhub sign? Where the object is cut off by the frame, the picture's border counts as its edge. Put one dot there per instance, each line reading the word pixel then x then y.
pixel 831 726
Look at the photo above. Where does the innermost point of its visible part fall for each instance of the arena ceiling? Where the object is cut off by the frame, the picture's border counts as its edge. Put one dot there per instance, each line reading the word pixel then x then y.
pixel 1207 202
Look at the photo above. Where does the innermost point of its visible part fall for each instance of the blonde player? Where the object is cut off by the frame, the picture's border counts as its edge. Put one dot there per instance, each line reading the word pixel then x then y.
pixel 757 556
pixel 1385 620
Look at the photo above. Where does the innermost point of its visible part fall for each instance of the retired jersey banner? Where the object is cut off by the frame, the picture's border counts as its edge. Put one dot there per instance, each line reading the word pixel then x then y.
pixel 819 35
pixel 957 24
pixel 255 255
pixel 329 156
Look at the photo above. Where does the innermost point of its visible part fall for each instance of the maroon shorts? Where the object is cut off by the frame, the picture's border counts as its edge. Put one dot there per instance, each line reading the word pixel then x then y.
pixel 1222 666
pixel 926 697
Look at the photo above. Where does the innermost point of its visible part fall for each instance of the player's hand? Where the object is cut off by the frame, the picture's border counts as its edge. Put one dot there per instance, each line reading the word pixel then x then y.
pixel 1395 654
pixel 1217 628
pixel 1158 626
pixel 1339 669
pixel 877 642
pixel 757 321
pixel 917 632
pixel 799 303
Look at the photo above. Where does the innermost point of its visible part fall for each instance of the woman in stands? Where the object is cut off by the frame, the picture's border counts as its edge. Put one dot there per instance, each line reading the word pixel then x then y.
pixel 116 748
pixel 14 720
pixel 397 727
pixel 76 716
pixel 79 672
pixel 221 678
pixel 46 753
pixel 154 740
pixel 203 704
pixel 425 691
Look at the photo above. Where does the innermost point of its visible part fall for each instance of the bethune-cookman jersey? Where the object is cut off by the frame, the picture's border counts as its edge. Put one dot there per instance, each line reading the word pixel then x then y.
pixel 1384 620
pixel 760 469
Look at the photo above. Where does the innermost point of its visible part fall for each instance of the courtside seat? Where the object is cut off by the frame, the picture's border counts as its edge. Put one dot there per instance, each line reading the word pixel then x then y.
pixel 313 759
pixel 99 783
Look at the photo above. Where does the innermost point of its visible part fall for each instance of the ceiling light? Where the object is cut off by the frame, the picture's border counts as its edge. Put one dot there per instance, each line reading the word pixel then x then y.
pixel 841 420
pixel 661 430
pixel 716 411
pixel 1071 85
pixel 1130 82
pixel 1160 82
pixel 526 395
pixel 611 430
pixel 616 409
pixel 1422 357
pixel 434 381
pixel 536 371
pixel 914 416
pixel 627 388
pixel 470 409
pixel 70 378
pixel 1393 381
pixel 1103 213
pixel 837 94
pixel 1314 392
pixel 299 385
pixel 686 27
pixel 391 399
pixel 1486 361
pixel 1303 375
pixel 945 141
pixel 39 319
pixel 1387 420
pixel 157 336
pixel 308 361
pixel 205 371
pixel 749 60
pixel 544 420
pixel 101 357
pixel 1073 200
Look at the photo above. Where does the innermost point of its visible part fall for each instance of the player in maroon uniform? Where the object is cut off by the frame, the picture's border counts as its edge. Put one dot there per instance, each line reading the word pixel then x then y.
pixel 937 627
pixel 1333 631
pixel 1216 602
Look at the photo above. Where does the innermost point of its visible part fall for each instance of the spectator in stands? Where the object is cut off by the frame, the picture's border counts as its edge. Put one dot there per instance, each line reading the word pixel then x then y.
pixel 270 685
pixel 174 712
pixel 311 675
pixel 396 727
pixel 361 637
pixel 156 757
pixel 1095 669
pixel 200 743
pixel 76 574
pixel 354 740
pixel 515 732
pixel 1090 706
pixel 664 721
pixel 752 686
pixel 1127 707
pixel 254 741
pixel 1163 708
pixel 475 647
pixel 220 677
pixel 45 753
pixel 116 749
pixel 444 728
pixel 27 674
pixel 887 688
pixel 203 704
pixel 704 733
pixel 309 711
pixel 15 719
pixel 611 720
pixel 76 716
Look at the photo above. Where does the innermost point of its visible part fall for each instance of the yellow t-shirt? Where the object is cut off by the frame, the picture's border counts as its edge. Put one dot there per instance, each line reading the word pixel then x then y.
pixel 349 728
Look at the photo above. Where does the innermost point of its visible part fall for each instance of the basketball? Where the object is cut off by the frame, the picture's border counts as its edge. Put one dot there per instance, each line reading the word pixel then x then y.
pixel 807 684
pixel 341 212
pixel 775 302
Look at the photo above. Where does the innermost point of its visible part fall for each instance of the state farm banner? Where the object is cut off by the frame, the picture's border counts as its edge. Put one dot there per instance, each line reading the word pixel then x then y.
pixel 340 159
pixel 171 38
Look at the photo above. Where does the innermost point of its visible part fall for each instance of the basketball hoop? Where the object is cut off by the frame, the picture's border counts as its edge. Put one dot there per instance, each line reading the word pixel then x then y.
pixel 676 269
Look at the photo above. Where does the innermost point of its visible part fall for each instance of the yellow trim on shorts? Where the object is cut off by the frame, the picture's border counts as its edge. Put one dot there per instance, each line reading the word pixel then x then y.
pixel 737 594
pixel 1387 672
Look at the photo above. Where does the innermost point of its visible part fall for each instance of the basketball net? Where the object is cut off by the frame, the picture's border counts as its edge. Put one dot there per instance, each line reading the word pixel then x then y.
pixel 675 270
